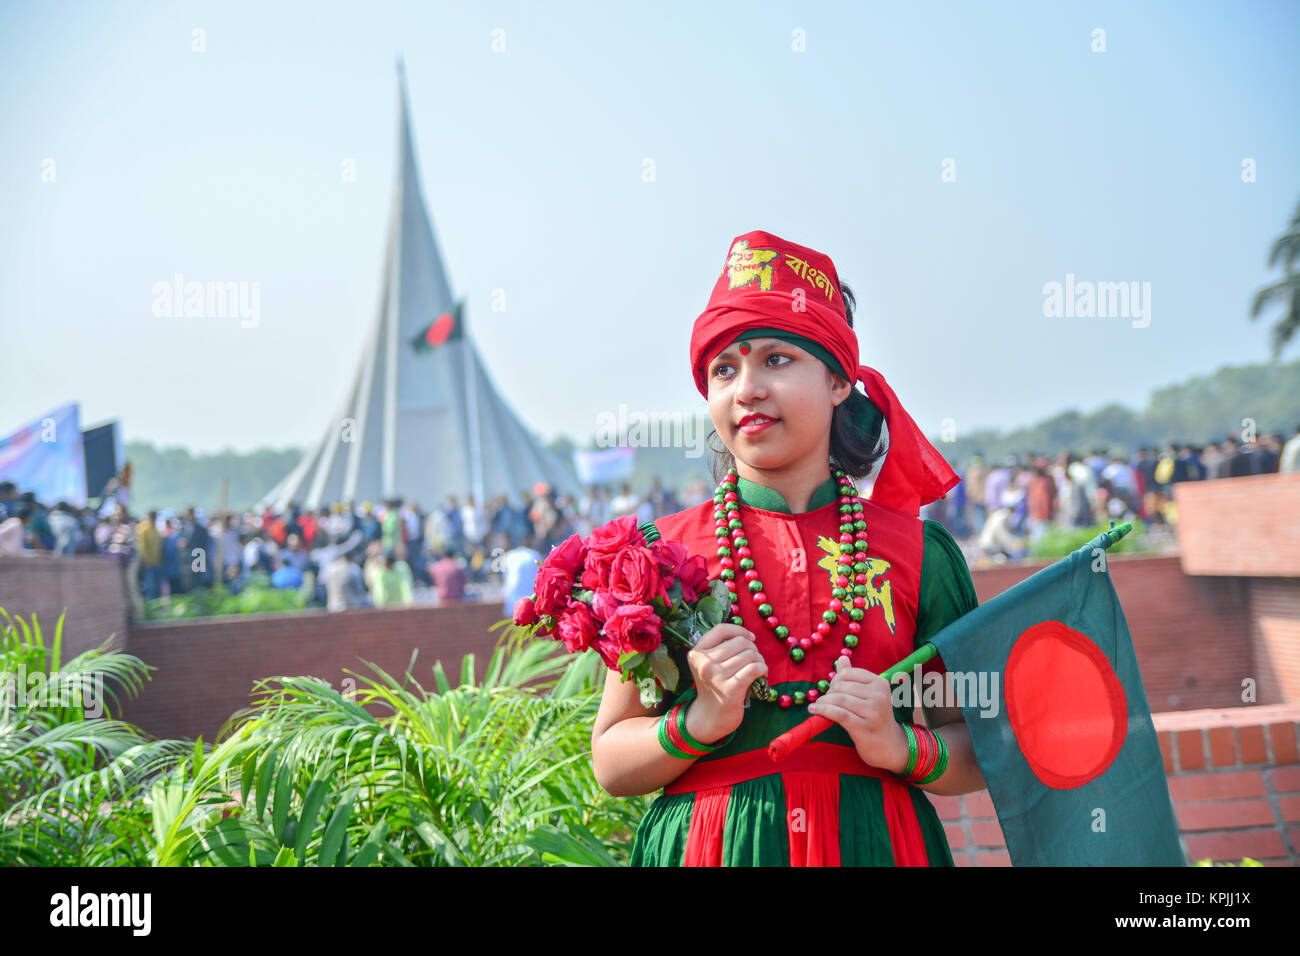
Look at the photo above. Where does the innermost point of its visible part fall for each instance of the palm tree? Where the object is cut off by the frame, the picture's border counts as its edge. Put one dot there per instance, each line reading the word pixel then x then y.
pixel 1286 250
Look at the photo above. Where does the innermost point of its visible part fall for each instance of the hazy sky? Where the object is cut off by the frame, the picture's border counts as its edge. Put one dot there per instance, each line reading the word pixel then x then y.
pixel 1122 165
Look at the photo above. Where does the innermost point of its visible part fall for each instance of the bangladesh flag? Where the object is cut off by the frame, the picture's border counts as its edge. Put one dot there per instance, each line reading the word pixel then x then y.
pixel 443 329
pixel 1065 739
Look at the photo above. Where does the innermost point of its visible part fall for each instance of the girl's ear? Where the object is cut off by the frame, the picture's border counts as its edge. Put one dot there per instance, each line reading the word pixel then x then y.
pixel 841 388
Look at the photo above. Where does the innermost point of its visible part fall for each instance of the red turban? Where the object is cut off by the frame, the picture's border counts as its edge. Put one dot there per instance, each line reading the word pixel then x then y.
pixel 767 282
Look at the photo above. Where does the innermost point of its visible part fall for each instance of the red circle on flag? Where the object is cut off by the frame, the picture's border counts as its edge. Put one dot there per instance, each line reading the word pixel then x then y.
pixel 1065 704
pixel 440 329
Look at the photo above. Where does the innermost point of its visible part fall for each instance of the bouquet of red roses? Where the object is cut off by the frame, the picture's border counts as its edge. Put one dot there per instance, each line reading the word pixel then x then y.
pixel 615 592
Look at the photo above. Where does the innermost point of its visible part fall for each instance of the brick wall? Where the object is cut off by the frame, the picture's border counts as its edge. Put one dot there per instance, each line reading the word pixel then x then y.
pixel 1240 526
pixel 1274 614
pixel 89 587
pixel 1188 634
pixel 206 668
pixel 1234 778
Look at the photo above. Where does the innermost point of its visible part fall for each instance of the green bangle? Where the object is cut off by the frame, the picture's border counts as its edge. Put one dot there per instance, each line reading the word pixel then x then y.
pixel 940 765
pixel 681 728
pixel 911 750
pixel 669 747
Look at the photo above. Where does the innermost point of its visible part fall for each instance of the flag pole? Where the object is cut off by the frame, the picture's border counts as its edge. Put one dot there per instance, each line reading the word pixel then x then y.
pixel 800 734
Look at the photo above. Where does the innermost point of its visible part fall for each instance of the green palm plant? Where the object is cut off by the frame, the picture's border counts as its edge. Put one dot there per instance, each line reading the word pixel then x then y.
pixel 69 780
pixel 386 772
pixel 390 773
pixel 1285 252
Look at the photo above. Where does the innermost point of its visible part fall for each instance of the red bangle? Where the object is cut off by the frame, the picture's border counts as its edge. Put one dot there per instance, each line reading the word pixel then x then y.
pixel 932 751
pixel 925 754
pixel 675 736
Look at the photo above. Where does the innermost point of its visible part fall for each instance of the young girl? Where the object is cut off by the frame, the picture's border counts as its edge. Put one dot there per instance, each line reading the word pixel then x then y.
pixel 828 589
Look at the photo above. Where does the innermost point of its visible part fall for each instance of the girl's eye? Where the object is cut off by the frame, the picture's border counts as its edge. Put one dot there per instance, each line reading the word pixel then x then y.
pixel 717 370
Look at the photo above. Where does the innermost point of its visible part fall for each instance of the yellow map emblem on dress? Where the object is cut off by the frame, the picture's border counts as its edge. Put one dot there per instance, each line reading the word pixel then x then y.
pixel 744 265
pixel 881 596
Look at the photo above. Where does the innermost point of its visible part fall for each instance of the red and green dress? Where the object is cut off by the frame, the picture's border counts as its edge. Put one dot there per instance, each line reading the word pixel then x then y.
pixel 822 806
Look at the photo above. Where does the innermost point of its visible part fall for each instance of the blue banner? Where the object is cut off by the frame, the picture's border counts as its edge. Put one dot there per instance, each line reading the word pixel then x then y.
pixel 47 457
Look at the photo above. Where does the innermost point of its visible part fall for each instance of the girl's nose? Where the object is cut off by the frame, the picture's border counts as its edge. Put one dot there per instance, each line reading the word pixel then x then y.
pixel 750 384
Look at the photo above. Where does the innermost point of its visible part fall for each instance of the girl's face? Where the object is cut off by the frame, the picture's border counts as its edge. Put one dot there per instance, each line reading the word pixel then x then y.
pixel 783 383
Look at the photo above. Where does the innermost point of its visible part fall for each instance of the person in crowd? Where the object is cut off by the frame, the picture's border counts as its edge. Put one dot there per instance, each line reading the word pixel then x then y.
pixel 289 575
pixel 151 556
pixel 66 526
pixel 449 577
pixel 997 540
pixel 307 526
pixel 1267 455
pixel 1041 497
pixel 372 565
pixel 996 484
pixel 394 586
pixel 40 536
pixel 975 480
pixel 8 500
pixel 1230 463
pixel 474 525
pixel 624 503
pixel 1097 461
pixel 13 530
pixel 1078 484
pixel 172 573
pixel 1289 462
pixel 519 568
pixel 344 585
pixel 294 553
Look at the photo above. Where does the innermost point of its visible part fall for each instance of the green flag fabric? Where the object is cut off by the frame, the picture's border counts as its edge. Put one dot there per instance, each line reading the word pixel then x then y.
pixel 445 328
pixel 1063 734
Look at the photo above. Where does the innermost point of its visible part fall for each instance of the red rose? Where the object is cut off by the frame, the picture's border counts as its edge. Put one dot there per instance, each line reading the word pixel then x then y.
pixel 595 573
pixel 634 576
pixel 615 536
pixel 678 564
pixel 603 605
pixel 577 627
pixel 635 627
pixel 694 575
pixel 552 590
pixel 525 612
pixel 608 650
pixel 567 556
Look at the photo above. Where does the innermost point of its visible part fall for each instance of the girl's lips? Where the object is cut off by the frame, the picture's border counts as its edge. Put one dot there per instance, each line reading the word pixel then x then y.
pixel 753 427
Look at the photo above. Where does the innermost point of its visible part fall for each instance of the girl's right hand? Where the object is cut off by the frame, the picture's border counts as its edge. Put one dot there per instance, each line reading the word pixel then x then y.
pixel 725 663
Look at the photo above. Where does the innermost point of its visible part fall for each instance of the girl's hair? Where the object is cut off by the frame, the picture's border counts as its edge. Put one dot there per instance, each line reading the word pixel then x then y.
pixel 847 446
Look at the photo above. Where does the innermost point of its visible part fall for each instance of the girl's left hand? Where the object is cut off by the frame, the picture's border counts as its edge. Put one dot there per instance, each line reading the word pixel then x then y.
pixel 860 702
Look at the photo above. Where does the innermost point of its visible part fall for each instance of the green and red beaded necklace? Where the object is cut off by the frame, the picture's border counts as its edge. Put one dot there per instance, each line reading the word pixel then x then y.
pixel 853 539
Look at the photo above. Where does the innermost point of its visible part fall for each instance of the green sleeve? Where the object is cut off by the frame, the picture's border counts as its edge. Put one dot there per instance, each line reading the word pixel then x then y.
pixel 947 591
pixel 648 529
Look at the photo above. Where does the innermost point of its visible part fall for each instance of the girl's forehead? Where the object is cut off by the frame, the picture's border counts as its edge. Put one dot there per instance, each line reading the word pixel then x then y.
pixel 744 344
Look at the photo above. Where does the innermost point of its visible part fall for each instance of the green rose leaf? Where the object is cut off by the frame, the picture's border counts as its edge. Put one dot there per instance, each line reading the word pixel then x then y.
pixel 710 611
pixel 663 666
pixel 718 591
pixel 629 662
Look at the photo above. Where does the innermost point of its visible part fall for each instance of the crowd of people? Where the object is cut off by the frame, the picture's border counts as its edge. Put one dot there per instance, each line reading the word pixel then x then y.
pixel 345 555
pixel 998 510
pixel 394 553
